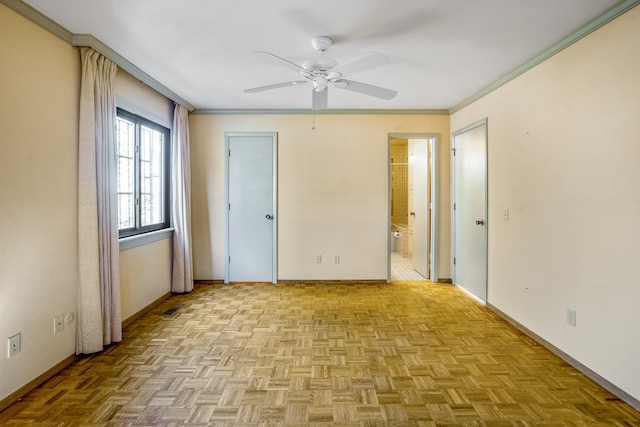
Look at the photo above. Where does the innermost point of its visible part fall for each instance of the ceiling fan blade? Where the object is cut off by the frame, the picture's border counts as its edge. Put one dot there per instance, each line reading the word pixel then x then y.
pixel 367 62
pixel 281 61
pixel 274 86
pixel 319 99
pixel 366 89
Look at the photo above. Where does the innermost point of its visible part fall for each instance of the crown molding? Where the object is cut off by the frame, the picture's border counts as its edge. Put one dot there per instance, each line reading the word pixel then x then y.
pixel 122 62
pixel 405 112
pixel 62 33
pixel 604 18
pixel 56 29
pixel 39 19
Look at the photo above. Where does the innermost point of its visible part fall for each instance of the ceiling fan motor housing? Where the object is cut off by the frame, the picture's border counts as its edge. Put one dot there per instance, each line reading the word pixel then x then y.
pixel 321 44
pixel 320 63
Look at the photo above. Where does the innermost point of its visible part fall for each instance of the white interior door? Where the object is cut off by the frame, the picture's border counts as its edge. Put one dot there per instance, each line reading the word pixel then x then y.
pixel 251 207
pixel 469 209
pixel 419 169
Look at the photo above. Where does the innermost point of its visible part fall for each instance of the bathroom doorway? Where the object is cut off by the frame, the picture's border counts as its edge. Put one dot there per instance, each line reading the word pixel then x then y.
pixel 412 207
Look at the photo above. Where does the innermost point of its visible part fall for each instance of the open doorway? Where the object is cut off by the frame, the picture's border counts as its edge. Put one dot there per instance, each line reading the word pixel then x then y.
pixel 412 206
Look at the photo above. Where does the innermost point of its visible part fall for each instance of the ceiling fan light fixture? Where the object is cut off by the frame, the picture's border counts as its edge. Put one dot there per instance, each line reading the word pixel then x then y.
pixel 320 82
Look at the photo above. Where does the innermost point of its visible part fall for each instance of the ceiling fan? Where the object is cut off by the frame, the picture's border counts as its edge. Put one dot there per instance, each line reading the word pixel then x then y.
pixel 322 70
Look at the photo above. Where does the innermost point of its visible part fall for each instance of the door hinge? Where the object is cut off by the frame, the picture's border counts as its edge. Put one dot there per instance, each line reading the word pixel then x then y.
pixel 229 259
pixel 454 260
pixel 454 206
pixel 453 150
pixel 229 206
pixel 229 152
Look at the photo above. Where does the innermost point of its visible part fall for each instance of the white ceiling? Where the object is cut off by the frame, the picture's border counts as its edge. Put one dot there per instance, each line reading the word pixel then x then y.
pixel 441 51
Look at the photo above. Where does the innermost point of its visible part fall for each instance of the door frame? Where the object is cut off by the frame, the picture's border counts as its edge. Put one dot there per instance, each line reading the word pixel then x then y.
pixel 462 130
pixel 274 142
pixel 433 254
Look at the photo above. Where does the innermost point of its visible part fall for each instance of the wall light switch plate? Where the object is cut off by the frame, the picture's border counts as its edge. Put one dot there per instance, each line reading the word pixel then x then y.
pixel 58 323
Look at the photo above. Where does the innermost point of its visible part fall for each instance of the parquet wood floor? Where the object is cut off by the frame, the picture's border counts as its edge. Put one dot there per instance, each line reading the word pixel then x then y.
pixel 322 354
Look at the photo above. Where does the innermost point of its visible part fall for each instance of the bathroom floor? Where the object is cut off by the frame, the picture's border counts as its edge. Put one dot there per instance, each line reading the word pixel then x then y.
pixel 401 269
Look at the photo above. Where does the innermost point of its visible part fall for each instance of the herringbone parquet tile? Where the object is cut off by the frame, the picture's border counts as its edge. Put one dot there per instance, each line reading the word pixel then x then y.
pixel 322 354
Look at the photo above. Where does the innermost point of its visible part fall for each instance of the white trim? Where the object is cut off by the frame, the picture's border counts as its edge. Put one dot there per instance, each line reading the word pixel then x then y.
pixel 435 207
pixel 227 250
pixel 274 278
pixel 145 238
pixel 389 190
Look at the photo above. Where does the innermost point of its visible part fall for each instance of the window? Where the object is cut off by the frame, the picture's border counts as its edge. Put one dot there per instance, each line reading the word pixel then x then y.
pixel 143 175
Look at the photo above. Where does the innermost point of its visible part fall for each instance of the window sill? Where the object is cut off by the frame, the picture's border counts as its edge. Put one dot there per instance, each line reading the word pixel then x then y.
pixel 145 239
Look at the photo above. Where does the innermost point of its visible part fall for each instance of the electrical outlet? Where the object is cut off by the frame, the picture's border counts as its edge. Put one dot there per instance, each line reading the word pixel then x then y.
pixel 69 318
pixel 58 323
pixel 571 317
pixel 14 345
pixel 336 259
pixel 318 259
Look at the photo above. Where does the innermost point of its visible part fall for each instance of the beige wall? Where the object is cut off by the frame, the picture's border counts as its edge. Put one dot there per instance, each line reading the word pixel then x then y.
pixel 145 275
pixel 38 186
pixel 140 99
pixel 145 271
pixel 332 191
pixel 38 200
pixel 564 147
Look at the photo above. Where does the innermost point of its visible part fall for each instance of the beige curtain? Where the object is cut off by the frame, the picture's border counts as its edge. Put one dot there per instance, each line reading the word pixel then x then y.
pixel 182 273
pixel 99 319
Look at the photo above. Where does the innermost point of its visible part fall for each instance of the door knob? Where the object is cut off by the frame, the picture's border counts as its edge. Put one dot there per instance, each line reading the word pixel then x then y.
pixel 269 216
pixel 480 222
